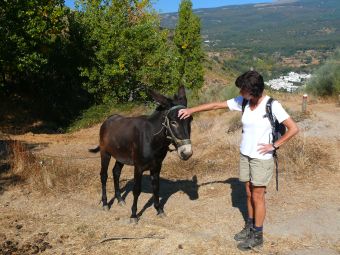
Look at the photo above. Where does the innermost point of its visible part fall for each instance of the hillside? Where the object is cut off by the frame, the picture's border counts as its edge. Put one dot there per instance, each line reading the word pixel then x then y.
pixel 284 26
pixel 49 201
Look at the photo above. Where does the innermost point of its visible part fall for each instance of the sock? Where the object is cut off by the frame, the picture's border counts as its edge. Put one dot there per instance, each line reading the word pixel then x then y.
pixel 251 222
pixel 258 228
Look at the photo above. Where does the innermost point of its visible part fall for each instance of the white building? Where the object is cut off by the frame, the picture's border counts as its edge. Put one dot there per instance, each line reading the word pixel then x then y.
pixel 290 82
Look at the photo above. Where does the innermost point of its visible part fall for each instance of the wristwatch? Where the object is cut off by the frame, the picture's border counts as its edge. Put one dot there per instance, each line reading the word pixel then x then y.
pixel 275 147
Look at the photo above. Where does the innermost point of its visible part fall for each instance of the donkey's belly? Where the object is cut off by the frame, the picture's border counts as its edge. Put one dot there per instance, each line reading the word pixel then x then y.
pixel 119 144
pixel 125 161
pixel 122 156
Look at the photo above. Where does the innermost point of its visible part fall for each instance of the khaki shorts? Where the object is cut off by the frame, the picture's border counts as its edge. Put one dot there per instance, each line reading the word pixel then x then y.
pixel 258 171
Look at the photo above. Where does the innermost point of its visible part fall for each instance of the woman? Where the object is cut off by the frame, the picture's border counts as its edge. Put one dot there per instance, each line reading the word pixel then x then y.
pixel 257 148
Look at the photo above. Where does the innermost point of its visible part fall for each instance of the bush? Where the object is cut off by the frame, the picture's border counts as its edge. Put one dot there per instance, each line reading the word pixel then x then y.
pixel 98 113
pixel 326 80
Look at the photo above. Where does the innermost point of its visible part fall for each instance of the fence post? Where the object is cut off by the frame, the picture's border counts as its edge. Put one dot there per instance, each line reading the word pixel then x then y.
pixel 304 103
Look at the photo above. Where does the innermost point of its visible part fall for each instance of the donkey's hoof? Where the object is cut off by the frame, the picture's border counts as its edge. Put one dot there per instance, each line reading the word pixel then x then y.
pixel 122 203
pixel 161 215
pixel 133 220
pixel 106 208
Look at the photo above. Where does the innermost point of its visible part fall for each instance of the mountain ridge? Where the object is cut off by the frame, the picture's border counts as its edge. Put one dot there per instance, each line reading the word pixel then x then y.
pixel 283 26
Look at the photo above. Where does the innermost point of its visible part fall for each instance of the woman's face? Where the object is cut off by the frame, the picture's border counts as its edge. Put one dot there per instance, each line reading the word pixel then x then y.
pixel 246 94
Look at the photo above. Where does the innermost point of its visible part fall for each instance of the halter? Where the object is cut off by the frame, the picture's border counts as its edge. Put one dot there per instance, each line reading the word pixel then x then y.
pixel 166 124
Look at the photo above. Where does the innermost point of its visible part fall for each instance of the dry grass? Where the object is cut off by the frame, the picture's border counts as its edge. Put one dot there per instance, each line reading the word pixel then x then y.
pixel 42 175
pixel 235 123
pixel 299 116
pixel 303 157
pixel 215 151
pixel 22 161
pixel 205 162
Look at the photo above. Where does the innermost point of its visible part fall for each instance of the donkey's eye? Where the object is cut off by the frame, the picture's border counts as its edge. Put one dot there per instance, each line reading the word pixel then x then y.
pixel 174 123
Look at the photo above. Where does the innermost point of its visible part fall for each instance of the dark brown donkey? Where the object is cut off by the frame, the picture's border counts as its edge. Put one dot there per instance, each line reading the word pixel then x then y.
pixel 144 142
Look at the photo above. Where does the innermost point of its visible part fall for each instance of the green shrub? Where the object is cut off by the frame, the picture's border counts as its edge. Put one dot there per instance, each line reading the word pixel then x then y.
pixel 326 80
pixel 98 113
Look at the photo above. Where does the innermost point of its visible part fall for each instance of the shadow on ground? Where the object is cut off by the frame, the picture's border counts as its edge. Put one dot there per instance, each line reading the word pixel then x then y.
pixel 166 189
pixel 190 188
pixel 238 194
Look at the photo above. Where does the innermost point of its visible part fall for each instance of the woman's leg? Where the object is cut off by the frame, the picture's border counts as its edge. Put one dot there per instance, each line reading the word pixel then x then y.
pixel 258 199
pixel 255 238
pixel 245 232
pixel 250 205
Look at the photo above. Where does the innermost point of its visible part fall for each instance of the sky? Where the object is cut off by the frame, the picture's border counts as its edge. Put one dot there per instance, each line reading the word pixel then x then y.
pixel 164 6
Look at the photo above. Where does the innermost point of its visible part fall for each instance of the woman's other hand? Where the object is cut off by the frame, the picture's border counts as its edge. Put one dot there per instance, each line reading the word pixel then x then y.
pixel 265 148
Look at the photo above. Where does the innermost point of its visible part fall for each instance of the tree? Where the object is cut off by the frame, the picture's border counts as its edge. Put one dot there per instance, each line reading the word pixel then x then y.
pixel 188 42
pixel 41 48
pixel 27 31
pixel 129 49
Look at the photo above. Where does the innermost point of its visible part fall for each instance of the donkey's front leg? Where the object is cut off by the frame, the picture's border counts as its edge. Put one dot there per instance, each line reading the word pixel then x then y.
pixel 154 173
pixel 136 192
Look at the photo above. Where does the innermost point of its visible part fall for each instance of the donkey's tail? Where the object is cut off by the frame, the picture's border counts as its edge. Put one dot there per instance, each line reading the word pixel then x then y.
pixel 95 150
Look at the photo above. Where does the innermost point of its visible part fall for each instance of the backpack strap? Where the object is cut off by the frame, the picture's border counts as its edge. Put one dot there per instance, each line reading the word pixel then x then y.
pixel 276 160
pixel 269 112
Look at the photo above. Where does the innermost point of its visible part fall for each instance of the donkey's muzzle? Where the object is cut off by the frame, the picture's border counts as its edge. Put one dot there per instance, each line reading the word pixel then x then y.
pixel 185 151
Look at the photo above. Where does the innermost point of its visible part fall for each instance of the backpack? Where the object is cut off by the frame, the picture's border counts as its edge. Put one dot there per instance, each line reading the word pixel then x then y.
pixel 278 130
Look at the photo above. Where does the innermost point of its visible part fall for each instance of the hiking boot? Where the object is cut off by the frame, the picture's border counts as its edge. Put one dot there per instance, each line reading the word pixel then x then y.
pixel 244 233
pixel 255 240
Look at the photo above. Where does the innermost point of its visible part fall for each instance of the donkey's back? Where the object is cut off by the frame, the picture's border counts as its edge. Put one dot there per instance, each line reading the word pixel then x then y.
pixel 122 136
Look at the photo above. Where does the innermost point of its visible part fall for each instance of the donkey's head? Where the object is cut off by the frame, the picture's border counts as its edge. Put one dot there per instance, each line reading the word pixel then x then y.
pixel 178 130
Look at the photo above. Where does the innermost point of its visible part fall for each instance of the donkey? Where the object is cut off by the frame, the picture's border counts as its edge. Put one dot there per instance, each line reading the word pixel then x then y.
pixel 143 142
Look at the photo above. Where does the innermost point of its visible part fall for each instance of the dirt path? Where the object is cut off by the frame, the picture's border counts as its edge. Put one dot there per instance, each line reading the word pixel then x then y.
pixel 204 210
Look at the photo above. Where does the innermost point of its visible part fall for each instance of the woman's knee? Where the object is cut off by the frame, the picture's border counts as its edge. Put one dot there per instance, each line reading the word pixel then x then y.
pixel 257 194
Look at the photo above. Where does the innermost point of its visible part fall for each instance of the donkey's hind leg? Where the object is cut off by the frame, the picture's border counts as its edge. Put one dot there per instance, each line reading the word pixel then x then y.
pixel 105 160
pixel 116 171
pixel 138 174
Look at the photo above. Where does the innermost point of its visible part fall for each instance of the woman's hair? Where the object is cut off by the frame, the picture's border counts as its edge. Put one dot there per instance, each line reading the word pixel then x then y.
pixel 251 82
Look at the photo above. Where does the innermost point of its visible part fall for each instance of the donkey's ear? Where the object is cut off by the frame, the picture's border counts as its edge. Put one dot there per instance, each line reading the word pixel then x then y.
pixel 182 96
pixel 164 101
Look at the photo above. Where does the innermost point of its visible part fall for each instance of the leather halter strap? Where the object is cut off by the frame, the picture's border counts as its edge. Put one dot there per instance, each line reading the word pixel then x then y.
pixel 166 124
